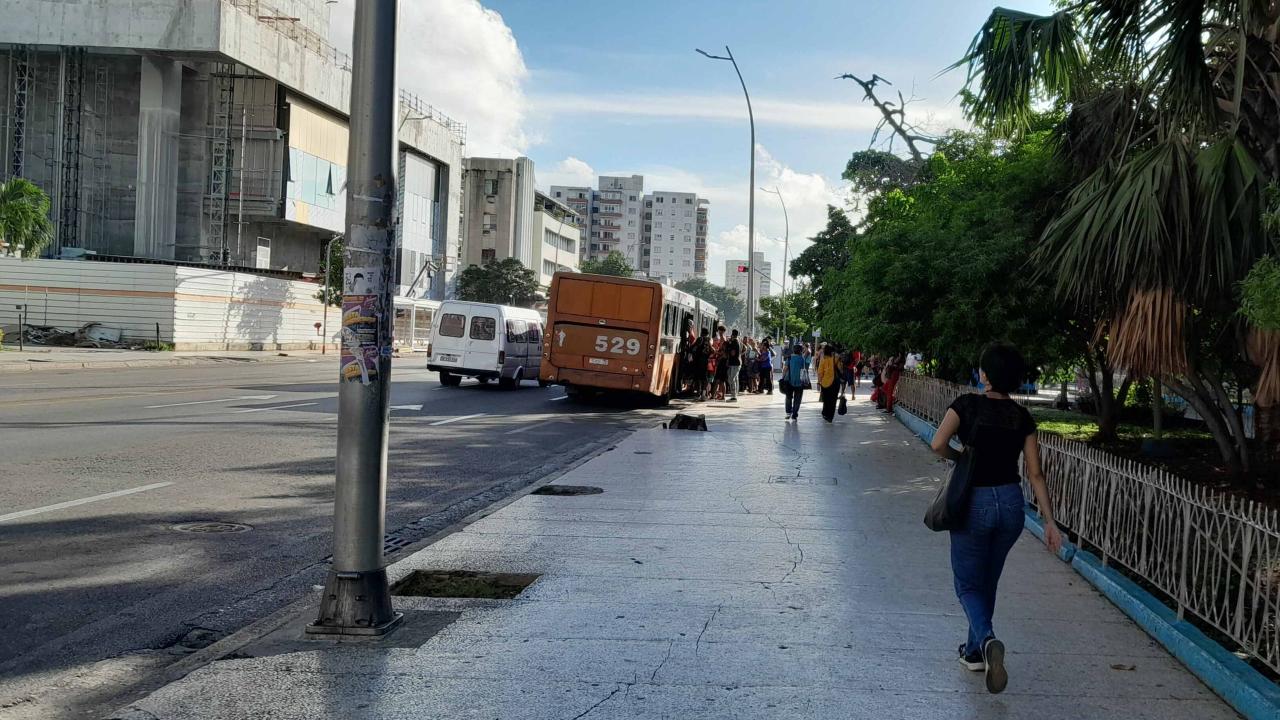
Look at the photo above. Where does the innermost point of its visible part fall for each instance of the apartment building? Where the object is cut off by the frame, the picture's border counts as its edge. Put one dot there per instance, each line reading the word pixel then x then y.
pixel 556 237
pixel 609 215
pixel 498 211
pixel 736 273
pixel 674 243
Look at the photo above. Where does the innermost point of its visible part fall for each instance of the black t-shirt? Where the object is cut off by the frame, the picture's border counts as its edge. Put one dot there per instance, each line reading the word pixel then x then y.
pixel 1002 430
pixel 733 351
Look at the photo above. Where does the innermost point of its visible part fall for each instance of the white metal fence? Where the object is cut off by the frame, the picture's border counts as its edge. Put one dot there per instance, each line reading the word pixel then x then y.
pixel 1214 556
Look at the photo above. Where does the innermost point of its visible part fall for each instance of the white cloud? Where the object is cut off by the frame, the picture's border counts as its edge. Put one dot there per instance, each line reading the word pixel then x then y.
pixel 569 171
pixel 462 58
pixel 848 114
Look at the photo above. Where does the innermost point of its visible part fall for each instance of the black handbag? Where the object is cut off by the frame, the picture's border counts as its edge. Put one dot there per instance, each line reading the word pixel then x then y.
pixel 951 504
pixel 843 407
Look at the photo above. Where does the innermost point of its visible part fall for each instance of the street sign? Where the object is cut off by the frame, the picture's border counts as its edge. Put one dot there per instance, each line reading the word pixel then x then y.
pixel 817 332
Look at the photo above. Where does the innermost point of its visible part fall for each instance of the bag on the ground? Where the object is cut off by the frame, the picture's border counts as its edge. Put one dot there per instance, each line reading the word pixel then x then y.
pixel 951 504
pixel 843 407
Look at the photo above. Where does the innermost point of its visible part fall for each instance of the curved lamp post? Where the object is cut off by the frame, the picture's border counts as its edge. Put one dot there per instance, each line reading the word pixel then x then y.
pixel 786 247
pixel 751 202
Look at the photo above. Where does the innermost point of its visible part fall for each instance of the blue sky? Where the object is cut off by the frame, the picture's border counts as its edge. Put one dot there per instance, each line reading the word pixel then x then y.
pixel 599 87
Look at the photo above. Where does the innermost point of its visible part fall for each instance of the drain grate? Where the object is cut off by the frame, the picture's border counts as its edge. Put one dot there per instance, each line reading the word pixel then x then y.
pixel 463 584
pixel 211 527
pixel 567 490
pixel 794 480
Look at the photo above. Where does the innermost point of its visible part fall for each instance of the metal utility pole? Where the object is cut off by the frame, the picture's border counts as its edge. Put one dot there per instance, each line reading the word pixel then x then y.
pixel 786 247
pixel 356 598
pixel 751 202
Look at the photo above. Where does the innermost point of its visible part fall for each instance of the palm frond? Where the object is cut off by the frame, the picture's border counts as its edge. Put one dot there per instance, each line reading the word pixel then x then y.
pixel 1148 336
pixel 25 227
pixel 1015 58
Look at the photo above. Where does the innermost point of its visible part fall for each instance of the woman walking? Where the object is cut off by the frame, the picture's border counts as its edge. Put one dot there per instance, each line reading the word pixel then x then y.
pixel 797 376
pixel 998 430
pixel 828 380
pixel 766 367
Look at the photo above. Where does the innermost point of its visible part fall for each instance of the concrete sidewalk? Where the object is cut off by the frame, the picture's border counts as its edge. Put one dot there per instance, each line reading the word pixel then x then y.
pixel 42 358
pixel 765 569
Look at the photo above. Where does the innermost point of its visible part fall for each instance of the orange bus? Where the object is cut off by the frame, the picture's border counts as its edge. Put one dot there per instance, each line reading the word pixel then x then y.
pixel 608 333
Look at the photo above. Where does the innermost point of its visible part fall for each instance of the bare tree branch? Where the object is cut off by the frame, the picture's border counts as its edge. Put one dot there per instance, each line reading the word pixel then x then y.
pixel 893 115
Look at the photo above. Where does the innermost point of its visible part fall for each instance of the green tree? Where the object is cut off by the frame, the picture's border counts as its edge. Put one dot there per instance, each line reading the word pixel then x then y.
pixel 773 309
pixel 829 251
pixel 615 263
pixel 1262 294
pixel 25 228
pixel 1172 125
pixel 507 282
pixel 941 267
pixel 331 273
pixel 726 300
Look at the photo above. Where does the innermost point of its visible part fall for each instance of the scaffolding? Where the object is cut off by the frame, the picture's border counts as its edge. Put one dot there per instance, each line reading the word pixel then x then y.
pixel 222 85
pixel 97 154
pixel 72 107
pixel 22 70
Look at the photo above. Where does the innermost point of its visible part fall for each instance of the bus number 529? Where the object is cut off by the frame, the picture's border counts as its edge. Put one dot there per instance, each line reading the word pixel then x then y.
pixel 605 343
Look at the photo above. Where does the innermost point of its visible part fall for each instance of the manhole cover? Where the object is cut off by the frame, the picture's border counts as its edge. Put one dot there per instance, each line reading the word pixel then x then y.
pixel 568 490
pixel 212 528
pixel 463 584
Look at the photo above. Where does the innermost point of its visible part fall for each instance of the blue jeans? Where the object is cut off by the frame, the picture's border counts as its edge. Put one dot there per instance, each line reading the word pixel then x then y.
pixel 978 552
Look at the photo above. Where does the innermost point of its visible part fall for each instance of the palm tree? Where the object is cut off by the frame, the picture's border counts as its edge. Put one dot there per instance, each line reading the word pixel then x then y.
pixel 1172 121
pixel 25 228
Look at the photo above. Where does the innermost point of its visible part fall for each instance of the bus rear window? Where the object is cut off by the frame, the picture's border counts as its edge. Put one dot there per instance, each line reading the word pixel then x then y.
pixel 452 324
pixel 483 328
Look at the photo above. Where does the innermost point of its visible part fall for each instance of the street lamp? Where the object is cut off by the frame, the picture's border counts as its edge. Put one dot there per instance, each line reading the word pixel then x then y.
pixel 751 203
pixel 786 246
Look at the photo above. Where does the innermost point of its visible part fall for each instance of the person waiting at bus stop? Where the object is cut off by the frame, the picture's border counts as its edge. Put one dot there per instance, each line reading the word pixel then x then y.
pixel 700 375
pixel 733 365
pixel 766 366
pixel 717 371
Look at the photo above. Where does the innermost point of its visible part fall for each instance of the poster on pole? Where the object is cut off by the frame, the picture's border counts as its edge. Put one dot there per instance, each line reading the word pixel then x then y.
pixel 362 313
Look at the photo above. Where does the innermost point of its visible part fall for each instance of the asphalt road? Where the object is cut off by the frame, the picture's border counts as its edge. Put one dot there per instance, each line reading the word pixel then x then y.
pixel 98 588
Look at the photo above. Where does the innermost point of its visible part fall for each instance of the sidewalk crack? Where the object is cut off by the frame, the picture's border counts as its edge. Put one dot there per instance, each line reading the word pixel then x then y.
pixel 697 645
pixel 670 647
pixel 603 700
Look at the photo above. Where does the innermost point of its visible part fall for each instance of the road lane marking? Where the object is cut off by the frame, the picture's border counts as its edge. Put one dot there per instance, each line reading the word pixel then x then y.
pixel 273 407
pixel 562 397
pixel 527 428
pixel 206 402
pixel 456 419
pixel 82 501
pixel 407 407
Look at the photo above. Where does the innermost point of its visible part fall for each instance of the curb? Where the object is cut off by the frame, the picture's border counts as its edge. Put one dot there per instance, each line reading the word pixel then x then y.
pixel 1231 678
pixel 55 365
pixel 1035 525
pixel 1244 688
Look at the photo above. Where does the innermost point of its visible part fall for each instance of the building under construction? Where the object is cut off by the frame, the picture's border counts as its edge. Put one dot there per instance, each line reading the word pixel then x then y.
pixel 208 131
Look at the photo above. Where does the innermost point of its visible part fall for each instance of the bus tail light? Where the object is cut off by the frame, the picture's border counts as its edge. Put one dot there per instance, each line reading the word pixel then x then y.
pixel 428 351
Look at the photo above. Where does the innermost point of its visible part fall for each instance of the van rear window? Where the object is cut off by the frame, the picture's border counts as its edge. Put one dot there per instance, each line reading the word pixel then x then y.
pixel 483 328
pixel 452 324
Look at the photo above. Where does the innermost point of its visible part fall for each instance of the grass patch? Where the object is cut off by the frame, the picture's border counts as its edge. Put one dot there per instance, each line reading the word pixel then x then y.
pixel 1083 428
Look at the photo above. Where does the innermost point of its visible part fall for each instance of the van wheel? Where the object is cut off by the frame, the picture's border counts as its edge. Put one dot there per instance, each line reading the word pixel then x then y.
pixel 450 380
pixel 511 383
pixel 482 380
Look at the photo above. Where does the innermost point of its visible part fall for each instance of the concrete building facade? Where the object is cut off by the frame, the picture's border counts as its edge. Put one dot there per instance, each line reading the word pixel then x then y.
pixel 209 132
pixel 736 273
pixel 557 236
pixel 498 211
pixel 674 241
pixel 610 216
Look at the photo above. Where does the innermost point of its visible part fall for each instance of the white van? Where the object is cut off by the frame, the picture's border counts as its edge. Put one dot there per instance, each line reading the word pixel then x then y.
pixel 486 342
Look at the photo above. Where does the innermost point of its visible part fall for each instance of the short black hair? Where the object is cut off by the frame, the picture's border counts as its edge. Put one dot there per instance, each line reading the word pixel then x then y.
pixel 1004 367
pixel 735 332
